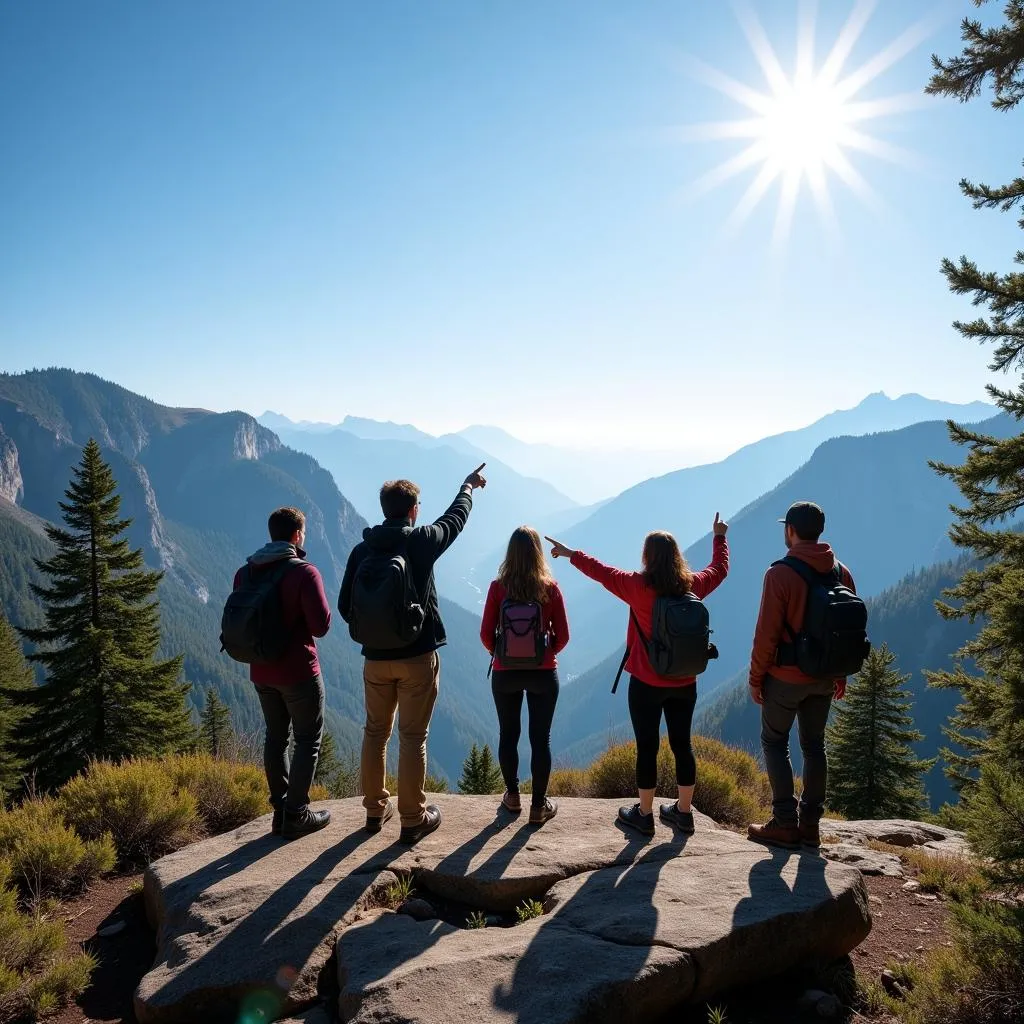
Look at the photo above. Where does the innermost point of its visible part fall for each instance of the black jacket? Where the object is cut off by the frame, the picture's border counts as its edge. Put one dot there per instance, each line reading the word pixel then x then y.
pixel 424 546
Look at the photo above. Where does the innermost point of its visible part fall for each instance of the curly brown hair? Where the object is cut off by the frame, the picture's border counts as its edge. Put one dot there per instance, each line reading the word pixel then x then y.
pixel 524 573
pixel 665 568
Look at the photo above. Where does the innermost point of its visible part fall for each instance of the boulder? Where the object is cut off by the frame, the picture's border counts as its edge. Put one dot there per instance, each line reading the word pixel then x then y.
pixel 247 920
pixel 866 860
pixel 898 832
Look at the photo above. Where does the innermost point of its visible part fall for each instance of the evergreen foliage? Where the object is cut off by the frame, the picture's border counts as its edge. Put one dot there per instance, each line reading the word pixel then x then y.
pixel 105 694
pixel 873 772
pixel 15 676
pixel 480 772
pixel 215 729
pixel 989 724
pixel 328 764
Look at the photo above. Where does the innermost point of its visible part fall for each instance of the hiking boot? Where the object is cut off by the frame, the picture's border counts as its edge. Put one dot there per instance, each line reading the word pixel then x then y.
pixel 775 833
pixel 414 833
pixel 671 815
pixel 635 818
pixel 375 822
pixel 297 824
pixel 810 834
pixel 512 803
pixel 276 821
pixel 543 812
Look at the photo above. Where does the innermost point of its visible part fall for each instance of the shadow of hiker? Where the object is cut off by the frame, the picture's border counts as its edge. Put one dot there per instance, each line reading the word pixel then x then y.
pixel 590 949
pixel 254 966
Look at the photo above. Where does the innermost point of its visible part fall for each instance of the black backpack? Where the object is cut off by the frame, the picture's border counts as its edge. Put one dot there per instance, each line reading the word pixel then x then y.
pixel 252 627
pixel 386 613
pixel 680 643
pixel 833 639
pixel 521 640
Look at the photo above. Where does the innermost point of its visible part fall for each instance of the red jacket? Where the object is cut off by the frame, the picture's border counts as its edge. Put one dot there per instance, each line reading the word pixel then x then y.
pixel 783 601
pixel 633 589
pixel 306 612
pixel 552 613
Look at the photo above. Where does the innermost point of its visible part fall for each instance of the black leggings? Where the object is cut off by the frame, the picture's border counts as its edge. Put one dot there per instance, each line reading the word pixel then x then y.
pixel 646 704
pixel 541 688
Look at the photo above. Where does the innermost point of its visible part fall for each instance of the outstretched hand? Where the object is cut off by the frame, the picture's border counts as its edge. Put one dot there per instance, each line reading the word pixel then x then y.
pixel 475 479
pixel 720 527
pixel 558 549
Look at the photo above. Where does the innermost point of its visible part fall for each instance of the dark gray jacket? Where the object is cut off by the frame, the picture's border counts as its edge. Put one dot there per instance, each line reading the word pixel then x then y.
pixel 423 545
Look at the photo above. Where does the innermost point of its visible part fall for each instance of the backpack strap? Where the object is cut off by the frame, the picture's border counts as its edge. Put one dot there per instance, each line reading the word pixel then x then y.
pixel 625 656
pixel 786 654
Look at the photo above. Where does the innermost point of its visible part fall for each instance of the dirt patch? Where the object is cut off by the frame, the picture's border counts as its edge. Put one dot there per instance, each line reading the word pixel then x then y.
pixel 123 958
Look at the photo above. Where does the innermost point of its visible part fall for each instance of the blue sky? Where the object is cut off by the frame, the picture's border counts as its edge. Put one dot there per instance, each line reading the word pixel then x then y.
pixel 456 212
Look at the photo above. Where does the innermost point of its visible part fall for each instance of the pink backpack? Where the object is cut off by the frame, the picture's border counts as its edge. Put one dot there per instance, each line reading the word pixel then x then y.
pixel 522 640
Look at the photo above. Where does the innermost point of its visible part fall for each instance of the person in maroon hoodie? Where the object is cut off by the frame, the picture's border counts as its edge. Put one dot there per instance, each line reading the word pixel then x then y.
pixel 524 578
pixel 291 690
pixel 785 693
pixel 665 574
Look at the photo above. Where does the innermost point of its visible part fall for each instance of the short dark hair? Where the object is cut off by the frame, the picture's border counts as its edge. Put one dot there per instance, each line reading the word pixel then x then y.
pixel 398 498
pixel 283 523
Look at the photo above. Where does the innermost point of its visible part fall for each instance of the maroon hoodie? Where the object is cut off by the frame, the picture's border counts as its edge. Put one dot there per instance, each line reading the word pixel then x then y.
pixel 306 613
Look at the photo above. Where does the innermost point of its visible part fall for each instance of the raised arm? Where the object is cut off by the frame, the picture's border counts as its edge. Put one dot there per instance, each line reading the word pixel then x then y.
pixel 705 581
pixel 443 531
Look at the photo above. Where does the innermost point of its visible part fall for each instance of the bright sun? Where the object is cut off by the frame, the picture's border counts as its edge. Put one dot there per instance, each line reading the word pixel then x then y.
pixel 803 127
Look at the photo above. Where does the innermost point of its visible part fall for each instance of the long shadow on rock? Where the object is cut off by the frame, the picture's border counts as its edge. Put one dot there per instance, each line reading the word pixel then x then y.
pixel 254 966
pixel 610 970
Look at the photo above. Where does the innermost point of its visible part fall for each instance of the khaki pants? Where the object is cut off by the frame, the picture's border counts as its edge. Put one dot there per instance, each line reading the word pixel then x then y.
pixel 409 687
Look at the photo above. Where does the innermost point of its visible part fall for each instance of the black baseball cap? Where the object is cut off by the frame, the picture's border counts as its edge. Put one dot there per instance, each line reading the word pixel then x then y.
pixel 806 518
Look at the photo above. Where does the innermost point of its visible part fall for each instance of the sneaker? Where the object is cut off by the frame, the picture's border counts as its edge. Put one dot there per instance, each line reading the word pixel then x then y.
pixel 414 833
pixel 810 834
pixel 671 815
pixel 375 822
pixel 512 803
pixel 297 824
pixel 635 818
pixel 543 812
pixel 775 833
pixel 276 821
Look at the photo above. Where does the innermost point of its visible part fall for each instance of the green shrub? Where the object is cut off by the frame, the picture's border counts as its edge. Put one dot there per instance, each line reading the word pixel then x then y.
pixel 137 802
pixel 568 782
pixel 613 774
pixel 719 797
pixel 529 909
pixel 45 857
pixel 743 767
pixel 227 794
pixel 38 973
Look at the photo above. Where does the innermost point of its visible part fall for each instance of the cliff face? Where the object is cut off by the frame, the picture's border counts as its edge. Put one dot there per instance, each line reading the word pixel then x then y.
pixel 12 486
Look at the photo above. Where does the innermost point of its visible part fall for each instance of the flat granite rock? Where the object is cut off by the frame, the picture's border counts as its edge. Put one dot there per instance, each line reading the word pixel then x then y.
pixel 864 859
pixel 244 919
pixel 899 832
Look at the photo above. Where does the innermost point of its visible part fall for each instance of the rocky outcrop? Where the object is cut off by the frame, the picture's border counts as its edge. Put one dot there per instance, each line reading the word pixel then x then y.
pixel 898 832
pixel 631 926
pixel 12 486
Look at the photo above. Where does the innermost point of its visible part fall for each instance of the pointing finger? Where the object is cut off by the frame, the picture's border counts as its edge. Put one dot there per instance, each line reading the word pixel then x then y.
pixel 481 466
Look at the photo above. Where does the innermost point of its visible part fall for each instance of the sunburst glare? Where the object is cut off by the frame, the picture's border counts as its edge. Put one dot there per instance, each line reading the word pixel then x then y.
pixel 802 127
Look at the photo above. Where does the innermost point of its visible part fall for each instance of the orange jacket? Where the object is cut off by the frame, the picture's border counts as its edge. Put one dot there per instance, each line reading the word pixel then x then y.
pixel 783 601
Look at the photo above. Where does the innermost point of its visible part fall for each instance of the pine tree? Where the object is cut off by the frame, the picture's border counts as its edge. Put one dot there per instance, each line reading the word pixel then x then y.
pixel 15 679
pixel 480 773
pixel 215 729
pixel 989 672
pixel 873 772
pixel 105 695
pixel 327 765
pixel 989 724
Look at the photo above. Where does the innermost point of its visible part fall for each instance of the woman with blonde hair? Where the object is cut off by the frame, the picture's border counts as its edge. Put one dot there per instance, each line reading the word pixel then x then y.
pixel 665 580
pixel 523 628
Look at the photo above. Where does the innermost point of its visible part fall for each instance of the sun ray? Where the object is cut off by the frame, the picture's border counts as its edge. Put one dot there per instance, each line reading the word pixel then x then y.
pixel 817 180
pixel 805 41
pixel 868 110
pixel 748 128
pixel 728 86
pixel 876 147
pixel 853 179
pixel 753 154
pixel 762 48
pixel 786 209
pixel 755 192
pixel 898 48
pixel 847 39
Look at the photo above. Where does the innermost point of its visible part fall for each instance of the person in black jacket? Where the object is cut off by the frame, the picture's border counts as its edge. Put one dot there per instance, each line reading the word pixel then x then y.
pixel 404 678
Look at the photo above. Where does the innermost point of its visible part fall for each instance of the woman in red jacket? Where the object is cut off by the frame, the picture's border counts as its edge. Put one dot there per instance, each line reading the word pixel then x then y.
pixel 523 628
pixel 665 574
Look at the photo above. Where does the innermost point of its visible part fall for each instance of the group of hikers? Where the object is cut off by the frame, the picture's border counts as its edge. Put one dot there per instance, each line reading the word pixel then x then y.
pixel 810 634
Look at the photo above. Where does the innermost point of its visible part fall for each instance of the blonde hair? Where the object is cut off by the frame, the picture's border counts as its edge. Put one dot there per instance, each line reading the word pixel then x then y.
pixel 665 568
pixel 524 573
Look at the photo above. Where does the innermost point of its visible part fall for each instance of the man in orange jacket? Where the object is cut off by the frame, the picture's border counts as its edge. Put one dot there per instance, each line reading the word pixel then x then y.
pixel 785 693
